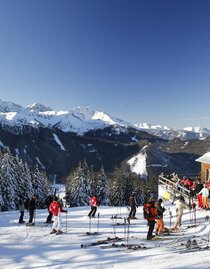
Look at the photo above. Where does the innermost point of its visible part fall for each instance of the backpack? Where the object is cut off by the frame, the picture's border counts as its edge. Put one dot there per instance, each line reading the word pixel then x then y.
pixel 149 211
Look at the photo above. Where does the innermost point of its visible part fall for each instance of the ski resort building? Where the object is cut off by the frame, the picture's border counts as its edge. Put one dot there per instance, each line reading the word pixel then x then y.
pixel 205 167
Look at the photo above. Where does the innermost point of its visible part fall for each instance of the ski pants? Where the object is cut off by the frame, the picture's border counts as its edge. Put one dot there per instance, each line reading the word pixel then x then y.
pixel 31 215
pixel 205 202
pixel 178 221
pixel 200 203
pixel 132 213
pixel 49 217
pixel 151 224
pixel 160 226
pixel 57 223
pixel 92 211
pixel 21 216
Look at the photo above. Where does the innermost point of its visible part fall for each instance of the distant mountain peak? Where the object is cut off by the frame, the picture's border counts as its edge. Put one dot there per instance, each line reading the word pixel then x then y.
pixel 152 126
pixel 38 107
pixel 9 107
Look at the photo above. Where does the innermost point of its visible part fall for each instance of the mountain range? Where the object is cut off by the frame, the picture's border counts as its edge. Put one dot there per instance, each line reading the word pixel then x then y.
pixel 57 141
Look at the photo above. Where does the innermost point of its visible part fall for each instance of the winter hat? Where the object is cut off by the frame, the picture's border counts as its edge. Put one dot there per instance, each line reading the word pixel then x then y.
pixel 181 198
pixel 151 199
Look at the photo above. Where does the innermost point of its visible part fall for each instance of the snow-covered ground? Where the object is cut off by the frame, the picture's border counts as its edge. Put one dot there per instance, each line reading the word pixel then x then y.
pixel 34 247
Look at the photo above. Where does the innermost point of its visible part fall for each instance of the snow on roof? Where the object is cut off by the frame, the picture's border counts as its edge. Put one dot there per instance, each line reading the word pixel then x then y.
pixel 205 158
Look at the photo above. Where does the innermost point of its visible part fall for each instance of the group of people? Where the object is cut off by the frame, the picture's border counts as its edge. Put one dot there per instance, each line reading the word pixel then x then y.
pixel 54 206
pixel 153 211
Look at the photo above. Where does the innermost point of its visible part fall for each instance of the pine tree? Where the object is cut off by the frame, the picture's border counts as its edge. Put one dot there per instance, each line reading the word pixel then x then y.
pixel 9 184
pixel 40 185
pixel 101 187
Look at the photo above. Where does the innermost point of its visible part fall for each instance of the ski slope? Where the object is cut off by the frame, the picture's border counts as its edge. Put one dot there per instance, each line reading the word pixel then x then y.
pixel 33 247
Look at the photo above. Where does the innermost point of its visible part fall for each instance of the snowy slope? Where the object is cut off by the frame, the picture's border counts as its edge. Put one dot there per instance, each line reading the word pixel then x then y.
pixel 33 247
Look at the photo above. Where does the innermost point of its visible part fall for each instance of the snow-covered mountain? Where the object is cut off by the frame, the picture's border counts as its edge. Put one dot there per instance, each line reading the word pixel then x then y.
pixel 78 120
pixel 82 120
pixel 169 133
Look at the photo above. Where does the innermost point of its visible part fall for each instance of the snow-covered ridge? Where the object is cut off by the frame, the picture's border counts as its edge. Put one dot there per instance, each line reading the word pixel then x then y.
pixel 152 126
pixel 78 120
pixel 165 132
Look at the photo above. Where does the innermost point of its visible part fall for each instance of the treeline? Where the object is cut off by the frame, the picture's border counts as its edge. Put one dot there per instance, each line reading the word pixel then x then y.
pixel 18 179
pixel 111 189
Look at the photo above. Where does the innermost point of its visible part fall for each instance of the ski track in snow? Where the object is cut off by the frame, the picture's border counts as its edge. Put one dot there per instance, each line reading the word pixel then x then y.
pixel 33 247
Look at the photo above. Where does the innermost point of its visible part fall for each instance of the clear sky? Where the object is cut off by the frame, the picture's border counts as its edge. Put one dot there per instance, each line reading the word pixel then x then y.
pixel 141 61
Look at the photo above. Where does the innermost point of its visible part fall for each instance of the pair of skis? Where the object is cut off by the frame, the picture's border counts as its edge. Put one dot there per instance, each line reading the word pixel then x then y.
pixel 102 242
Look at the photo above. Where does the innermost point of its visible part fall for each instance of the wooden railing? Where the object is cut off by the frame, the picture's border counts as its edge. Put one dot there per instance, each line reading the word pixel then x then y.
pixel 173 189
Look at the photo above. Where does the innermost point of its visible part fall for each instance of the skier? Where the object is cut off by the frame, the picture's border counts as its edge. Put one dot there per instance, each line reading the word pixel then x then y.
pixel 21 209
pixel 150 213
pixel 56 208
pixel 180 206
pixel 133 205
pixel 199 187
pixel 32 208
pixel 47 202
pixel 205 195
pixel 160 223
pixel 93 203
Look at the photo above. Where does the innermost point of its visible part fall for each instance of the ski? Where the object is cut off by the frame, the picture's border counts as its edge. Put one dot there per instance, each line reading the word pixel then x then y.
pixel 101 242
pixel 114 245
pixel 194 249
pixel 30 224
pixel 89 234
pixel 136 248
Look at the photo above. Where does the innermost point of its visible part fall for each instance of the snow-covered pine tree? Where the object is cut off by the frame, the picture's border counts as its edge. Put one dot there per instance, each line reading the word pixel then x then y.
pixel 72 188
pixel 40 185
pixel 9 184
pixel 25 188
pixel 84 184
pixel 101 187
pixel 116 188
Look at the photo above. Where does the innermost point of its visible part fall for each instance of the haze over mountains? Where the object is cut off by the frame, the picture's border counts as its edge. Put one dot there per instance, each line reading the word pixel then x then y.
pixel 57 141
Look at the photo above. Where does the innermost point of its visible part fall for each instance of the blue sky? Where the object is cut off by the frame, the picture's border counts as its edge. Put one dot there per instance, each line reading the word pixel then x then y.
pixel 141 61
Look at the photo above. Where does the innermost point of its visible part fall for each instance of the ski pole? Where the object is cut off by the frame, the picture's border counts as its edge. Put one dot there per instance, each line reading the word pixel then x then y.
pixel 124 227
pixel 98 223
pixel 89 224
pixel 113 224
pixel 128 231
pixel 66 221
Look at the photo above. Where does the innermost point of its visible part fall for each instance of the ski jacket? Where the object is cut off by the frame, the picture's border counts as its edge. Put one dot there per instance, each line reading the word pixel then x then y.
pixel 150 211
pixel 55 208
pixel 204 192
pixel 160 211
pixel 48 200
pixel 21 205
pixel 93 201
pixel 32 204
pixel 180 206
pixel 132 201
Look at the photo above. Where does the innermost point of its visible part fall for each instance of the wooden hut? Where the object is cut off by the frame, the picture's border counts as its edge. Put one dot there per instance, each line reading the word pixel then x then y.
pixel 205 167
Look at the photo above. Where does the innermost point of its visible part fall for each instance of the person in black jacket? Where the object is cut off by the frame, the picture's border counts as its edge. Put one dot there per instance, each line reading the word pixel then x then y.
pixel 47 202
pixel 31 208
pixel 160 211
pixel 21 209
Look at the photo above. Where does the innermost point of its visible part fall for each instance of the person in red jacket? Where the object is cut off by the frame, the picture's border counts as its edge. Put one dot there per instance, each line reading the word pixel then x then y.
pixel 93 203
pixel 55 207
pixel 150 214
